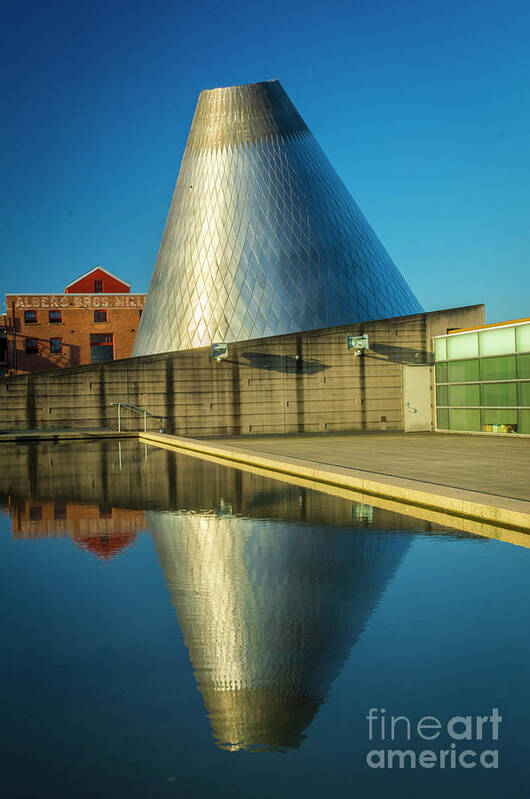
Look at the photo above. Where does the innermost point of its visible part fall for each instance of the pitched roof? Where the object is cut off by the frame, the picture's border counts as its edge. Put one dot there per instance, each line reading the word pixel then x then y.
pixel 95 269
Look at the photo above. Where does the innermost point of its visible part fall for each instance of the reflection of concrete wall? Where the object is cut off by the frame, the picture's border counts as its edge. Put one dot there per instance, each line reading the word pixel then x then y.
pixel 156 479
pixel 269 612
pixel 303 381
pixel 87 472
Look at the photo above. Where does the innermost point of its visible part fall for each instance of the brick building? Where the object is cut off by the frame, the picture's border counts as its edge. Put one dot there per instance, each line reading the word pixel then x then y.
pixel 94 320
pixel 3 344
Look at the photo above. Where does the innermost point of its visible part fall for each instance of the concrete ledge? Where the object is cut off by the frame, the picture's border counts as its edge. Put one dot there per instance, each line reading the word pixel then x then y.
pixel 496 510
pixel 479 433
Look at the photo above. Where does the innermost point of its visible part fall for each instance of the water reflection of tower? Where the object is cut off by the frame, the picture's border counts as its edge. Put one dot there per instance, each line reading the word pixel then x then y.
pixel 269 612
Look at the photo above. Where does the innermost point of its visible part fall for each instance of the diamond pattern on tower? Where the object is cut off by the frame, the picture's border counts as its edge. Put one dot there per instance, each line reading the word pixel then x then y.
pixel 262 236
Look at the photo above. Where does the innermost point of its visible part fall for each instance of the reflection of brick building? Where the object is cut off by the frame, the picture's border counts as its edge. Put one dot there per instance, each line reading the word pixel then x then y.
pixel 101 530
pixel 94 320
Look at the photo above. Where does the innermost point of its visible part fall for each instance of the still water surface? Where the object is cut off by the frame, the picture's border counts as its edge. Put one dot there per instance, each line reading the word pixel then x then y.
pixel 175 628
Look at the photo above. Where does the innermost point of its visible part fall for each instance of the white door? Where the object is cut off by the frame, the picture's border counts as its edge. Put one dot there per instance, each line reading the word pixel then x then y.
pixel 416 398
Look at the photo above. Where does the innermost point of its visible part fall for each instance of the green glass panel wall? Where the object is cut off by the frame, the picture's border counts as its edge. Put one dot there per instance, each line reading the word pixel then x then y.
pixel 523 391
pixel 464 395
pixel 443 419
pixel 475 398
pixel 499 416
pixel 522 338
pixel 497 341
pixel 442 395
pixel 441 372
pixel 498 394
pixel 497 368
pixel 523 425
pixel 463 371
pixel 523 366
pixel 462 346
pixel 440 349
pixel 464 419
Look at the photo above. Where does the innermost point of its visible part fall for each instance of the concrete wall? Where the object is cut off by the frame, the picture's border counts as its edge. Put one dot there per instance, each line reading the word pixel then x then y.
pixel 300 382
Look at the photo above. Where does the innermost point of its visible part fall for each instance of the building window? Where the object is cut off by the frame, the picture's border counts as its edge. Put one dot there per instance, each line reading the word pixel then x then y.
pixel 56 345
pixel 30 317
pixel 55 316
pixel 32 345
pixel 98 287
pixel 101 347
pixel 101 339
pixel 59 512
pixel 105 512
pixel 100 316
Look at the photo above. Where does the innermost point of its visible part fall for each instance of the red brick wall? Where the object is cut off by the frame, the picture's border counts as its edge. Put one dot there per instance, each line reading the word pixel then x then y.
pixel 75 328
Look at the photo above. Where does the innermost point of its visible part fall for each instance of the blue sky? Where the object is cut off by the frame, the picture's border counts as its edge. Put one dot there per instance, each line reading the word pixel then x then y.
pixel 422 107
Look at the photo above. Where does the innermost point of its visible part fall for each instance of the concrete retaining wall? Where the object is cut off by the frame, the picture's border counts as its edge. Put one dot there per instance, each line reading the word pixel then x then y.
pixel 292 383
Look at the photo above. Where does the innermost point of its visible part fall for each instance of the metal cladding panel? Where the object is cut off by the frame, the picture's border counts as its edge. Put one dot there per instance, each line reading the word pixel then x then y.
pixel 262 236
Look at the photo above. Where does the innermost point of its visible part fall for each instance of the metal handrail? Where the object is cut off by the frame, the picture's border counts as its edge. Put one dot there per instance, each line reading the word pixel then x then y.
pixel 136 409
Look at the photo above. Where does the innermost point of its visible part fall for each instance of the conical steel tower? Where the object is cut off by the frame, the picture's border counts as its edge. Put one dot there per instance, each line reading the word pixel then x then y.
pixel 262 236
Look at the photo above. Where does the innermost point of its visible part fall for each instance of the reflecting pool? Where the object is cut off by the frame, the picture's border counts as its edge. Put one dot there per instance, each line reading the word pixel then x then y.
pixel 175 627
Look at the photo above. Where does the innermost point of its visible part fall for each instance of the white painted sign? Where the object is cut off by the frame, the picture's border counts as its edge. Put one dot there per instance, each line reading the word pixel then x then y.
pixel 34 302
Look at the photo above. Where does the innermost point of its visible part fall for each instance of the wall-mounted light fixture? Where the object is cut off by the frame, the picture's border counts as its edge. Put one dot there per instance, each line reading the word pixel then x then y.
pixel 358 344
pixel 219 352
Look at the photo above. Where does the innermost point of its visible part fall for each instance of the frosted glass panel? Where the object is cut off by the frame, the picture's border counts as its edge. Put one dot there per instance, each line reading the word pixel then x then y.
pixel 443 419
pixel 463 371
pixel 464 395
pixel 440 349
pixel 442 396
pixel 465 346
pixel 524 394
pixel 499 416
pixel 524 422
pixel 441 372
pixel 522 338
pixel 464 419
pixel 523 366
pixel 502 368
pixel 499 394
pixel 497 342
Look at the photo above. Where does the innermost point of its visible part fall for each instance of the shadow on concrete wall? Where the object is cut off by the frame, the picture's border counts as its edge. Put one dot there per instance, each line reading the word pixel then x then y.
pixel 287 364
pixel 400 354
